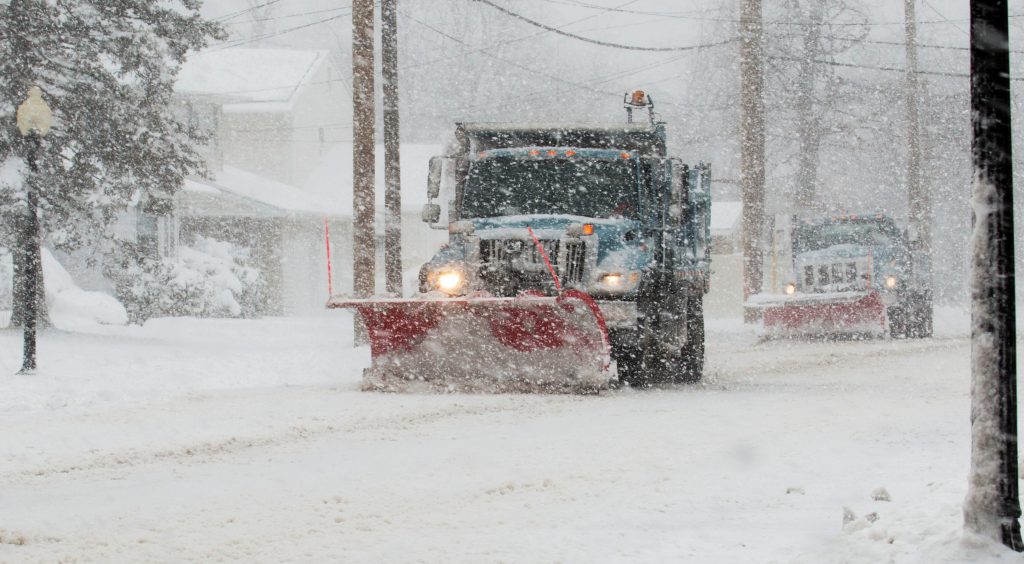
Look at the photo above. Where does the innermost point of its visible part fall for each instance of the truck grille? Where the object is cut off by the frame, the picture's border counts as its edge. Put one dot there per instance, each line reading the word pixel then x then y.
pixel 498 251
pixel 575 260
pixel 835 277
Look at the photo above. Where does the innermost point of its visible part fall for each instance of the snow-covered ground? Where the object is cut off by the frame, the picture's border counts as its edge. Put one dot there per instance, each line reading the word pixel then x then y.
pixel 249 440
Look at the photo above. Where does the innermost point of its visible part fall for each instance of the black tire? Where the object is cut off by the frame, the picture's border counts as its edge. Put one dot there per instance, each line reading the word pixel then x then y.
pixel 920 325
pixel 897 321
pixel 629 361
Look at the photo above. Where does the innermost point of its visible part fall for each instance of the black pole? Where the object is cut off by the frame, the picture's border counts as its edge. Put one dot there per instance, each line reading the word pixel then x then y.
pixel 32 254
pixel 992 507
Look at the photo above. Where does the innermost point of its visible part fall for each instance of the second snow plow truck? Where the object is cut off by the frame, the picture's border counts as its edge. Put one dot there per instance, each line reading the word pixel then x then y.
pixel 570 246
pixel 846 274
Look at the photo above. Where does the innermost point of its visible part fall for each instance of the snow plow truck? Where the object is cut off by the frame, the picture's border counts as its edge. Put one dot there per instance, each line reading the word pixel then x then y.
pixel 853 274
pixel 577 258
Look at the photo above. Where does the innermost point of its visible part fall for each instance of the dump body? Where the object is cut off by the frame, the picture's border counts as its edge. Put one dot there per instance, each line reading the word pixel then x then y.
pixel 856 273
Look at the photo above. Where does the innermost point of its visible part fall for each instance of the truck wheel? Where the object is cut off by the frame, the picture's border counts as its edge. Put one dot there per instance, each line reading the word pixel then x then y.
pixel 920 325
pixel 692 365
pixel 629 361
pixel 897 321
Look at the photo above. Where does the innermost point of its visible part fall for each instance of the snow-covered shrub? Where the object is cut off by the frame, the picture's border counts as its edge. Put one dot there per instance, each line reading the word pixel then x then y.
pixel 210 279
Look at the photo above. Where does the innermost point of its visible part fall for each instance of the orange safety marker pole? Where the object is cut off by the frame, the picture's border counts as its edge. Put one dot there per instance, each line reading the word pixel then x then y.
pixel 327 241
pixel 544 255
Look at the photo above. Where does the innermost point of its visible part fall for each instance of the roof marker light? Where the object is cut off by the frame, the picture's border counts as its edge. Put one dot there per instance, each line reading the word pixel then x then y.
pixel 552 152
pixel 625 155
pixel 638 98
pixel 588 228
pixel 570 153
pixel 534 152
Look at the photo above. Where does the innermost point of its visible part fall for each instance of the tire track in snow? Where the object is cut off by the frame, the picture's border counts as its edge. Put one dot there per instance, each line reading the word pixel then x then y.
pixel 738 367
pixel 214 450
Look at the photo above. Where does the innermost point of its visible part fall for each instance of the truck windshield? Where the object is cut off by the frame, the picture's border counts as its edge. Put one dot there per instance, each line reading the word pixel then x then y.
pixel 586 187
pixel 822 236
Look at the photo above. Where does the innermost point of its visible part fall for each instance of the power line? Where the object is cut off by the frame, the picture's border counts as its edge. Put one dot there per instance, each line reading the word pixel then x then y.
pixel 500 43
pixel 686 16
pixel 242 12
pixel 882 68
pixel 535 23
pixel 510 62
pixel 236 43
pixel 289 16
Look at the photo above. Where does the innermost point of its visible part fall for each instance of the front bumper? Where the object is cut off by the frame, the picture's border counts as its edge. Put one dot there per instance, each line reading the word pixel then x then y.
pixel 618 314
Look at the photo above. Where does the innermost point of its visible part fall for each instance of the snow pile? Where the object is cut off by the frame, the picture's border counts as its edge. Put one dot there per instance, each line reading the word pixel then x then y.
pixel 73 308
pixel 69 306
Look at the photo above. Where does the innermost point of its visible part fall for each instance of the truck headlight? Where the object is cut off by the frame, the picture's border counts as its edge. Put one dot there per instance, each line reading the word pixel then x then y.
pixel 790 289
pixel 890 282
pixel 619 281
pixel 449 281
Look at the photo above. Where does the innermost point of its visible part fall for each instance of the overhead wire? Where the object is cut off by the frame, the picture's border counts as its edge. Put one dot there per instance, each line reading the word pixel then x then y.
pixel 232 15
pixel 502 43
pixel 552 29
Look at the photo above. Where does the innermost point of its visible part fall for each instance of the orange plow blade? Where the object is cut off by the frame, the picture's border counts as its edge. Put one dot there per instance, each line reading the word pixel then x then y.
pixel 485 344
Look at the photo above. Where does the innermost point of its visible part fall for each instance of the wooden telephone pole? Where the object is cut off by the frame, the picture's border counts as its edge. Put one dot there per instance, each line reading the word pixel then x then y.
pixel 392 164
pixel 992 506
pixel 918 197
pixel 363 119
pixel 752 160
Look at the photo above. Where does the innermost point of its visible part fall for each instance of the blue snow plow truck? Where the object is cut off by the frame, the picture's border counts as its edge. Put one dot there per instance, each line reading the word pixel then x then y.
pixel 569 246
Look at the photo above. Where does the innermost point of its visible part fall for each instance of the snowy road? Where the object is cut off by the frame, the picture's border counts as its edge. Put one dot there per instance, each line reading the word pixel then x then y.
pixel 183 442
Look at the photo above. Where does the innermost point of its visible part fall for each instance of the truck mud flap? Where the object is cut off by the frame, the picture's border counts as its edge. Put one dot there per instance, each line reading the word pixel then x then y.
pixel 485 344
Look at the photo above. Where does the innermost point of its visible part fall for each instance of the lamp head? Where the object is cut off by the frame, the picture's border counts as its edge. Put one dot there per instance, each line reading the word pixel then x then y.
pixel 34 114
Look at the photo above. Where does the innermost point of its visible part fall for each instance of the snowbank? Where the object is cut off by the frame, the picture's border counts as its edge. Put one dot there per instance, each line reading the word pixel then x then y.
pixel 72 308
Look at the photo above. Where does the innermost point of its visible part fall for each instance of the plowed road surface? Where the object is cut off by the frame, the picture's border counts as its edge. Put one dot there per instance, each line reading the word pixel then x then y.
pixel 205 441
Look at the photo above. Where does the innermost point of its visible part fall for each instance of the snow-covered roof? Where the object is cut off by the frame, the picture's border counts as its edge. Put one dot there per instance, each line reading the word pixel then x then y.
pixel 236 192
pixel 725 216
pixel 253 79
pixel 331 180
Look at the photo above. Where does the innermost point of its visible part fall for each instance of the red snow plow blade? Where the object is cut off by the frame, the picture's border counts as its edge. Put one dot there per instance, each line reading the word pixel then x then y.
pixel 824 314
pixel 485 344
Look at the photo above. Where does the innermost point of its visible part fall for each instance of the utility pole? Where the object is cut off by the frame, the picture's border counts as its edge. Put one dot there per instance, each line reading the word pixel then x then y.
pixel 363 172
pixel 808 120
pixel 919 199
pixel 392 164
pixel 992 505
pixel 752 149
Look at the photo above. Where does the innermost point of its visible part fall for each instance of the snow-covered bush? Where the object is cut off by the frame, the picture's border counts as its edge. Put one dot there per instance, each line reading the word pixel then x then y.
pixel 209 279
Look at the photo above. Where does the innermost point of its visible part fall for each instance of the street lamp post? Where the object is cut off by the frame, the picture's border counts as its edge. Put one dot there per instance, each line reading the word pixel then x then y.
pixel 34 120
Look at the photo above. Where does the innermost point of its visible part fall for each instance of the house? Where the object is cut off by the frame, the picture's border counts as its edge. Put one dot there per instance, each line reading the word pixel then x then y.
pixel 281 158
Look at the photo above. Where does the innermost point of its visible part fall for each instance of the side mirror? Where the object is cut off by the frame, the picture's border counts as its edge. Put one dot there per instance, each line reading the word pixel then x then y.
pixel 431 213
pixel 434 178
